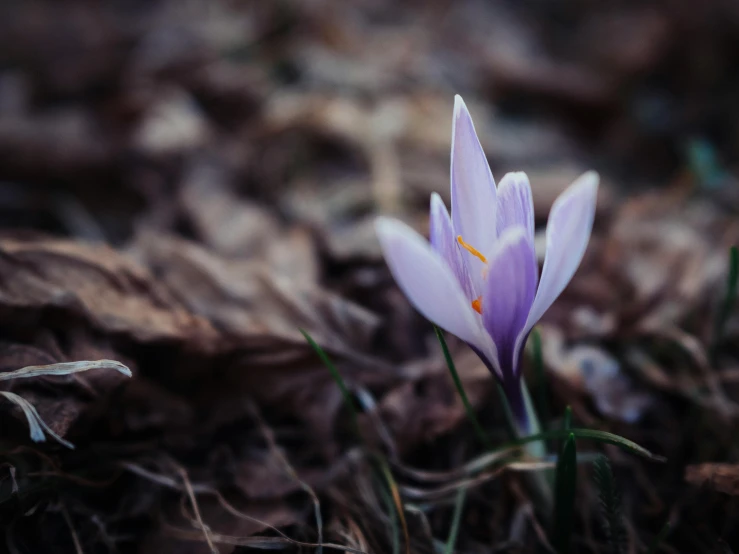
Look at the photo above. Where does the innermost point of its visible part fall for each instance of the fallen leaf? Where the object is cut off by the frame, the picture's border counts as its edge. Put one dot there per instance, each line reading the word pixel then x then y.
pixel 719 477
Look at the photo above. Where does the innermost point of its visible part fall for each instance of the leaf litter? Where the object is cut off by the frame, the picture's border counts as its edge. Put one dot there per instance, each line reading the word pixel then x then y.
pixel 184 188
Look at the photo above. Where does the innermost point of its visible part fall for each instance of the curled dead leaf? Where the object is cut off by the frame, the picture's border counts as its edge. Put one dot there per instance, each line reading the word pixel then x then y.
pixel 720 477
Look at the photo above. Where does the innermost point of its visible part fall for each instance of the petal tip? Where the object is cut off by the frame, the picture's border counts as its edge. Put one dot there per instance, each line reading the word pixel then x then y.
pixel 437 204
pixel 585 187
pixel 460 108
pixel 511 236
pixel 513 177
pixel 589 179
pixel 385 226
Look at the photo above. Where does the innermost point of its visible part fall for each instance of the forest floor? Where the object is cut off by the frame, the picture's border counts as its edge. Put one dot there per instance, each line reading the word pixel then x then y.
pixel 184 186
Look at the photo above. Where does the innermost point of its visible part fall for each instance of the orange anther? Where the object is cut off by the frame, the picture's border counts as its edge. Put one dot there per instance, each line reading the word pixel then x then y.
pixel 471 249
pixel 477 305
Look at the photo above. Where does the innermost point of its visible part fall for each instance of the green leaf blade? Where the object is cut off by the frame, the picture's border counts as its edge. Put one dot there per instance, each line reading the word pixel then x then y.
pixel 564 496
pixel 590 434
pixel 609 498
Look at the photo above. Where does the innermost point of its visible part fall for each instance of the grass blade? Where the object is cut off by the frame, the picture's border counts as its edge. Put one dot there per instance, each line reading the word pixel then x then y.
pixel 564 496
pixel 348 400
pixel 456 519
pixel 460 389
pixel 590 434
pixel 395 494
pixel 729 301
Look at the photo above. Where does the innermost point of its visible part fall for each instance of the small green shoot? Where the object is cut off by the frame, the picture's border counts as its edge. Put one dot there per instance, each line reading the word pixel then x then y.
pixel 484 439
pixel 610 503
pixel 566 423
pixel 567 419
pixel 729 301
pixel 564 496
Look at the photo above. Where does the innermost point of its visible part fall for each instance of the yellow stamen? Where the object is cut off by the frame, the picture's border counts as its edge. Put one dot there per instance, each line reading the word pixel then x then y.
pixel 477 305
pixel 471 249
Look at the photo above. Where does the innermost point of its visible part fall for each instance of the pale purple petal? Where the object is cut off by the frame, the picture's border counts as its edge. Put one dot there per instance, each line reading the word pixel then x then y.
pixel 516 209
pixel 473 190
pixel 509 292
pixel 568 231
pixel 445 244
pixel 426 280
pixel 515 204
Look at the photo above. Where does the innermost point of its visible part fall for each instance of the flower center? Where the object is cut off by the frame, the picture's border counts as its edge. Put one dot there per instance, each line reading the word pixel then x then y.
pixel 477 302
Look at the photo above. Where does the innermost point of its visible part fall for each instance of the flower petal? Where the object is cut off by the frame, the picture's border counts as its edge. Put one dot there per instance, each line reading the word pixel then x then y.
pixel 445 244
pixel 568 231
pixel 515 204
pixel 509 293
pixel 473 188
pixel 426 280
pixel 516 208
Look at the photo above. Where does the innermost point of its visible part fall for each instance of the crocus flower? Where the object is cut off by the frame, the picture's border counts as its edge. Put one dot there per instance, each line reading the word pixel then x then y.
pixel 478 278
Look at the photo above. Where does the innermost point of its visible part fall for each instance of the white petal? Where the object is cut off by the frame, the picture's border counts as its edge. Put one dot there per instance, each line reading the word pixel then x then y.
pixel 568 231
pixel 473 189
pixel 426 280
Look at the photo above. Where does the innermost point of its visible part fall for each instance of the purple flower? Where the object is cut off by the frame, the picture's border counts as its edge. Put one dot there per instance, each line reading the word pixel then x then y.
pixel 478 278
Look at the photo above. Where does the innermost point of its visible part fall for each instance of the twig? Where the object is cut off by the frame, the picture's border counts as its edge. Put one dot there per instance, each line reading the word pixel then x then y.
pixel 196 509
pixel 68 521
pixel 277 452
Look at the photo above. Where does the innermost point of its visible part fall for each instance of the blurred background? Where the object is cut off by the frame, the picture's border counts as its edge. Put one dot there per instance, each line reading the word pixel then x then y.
pixel 185 183
pixel 110 110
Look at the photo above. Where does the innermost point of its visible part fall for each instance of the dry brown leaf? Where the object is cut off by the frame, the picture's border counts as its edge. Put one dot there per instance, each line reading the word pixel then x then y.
pixel 668 252
pixel 720 477
pixel 98 284
pixel 254 306
pixel 427 405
